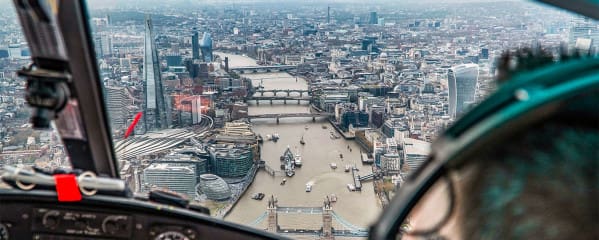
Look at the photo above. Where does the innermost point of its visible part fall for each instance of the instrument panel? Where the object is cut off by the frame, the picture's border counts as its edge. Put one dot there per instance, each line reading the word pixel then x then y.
pixel 100 217
pixel 49 222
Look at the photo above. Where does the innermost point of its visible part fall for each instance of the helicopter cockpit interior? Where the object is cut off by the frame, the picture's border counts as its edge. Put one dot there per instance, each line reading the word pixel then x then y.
pixel 92 202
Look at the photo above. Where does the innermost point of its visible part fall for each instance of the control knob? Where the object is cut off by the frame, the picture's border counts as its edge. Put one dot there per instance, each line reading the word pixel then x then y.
pixel 114 224
pixel 51 219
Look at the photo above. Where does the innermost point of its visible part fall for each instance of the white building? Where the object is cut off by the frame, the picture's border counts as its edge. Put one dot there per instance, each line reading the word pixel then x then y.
pixel 180 179
pixel 415 152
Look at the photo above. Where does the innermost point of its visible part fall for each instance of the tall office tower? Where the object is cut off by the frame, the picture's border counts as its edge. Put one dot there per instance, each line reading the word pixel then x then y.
pixel 107 46
pixel 206 47
pixel 584 34
pixel 226 64
pixel 154 105
pixel 462 87
pixel 328 14
pixel 98 46
pixel 117 101
pixel 196 110
pixel 373 18
pixel 195 45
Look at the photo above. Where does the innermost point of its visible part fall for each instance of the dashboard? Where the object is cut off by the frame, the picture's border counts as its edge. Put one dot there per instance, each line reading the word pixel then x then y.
pixel 38 215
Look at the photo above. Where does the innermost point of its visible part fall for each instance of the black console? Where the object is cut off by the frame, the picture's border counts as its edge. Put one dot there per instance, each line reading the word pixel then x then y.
pixel 38 215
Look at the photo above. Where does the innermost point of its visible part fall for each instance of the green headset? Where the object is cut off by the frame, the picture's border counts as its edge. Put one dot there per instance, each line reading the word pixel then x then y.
pixel 567 90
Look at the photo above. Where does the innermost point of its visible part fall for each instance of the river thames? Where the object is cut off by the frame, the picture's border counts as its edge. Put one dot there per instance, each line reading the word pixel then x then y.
pixel 358 208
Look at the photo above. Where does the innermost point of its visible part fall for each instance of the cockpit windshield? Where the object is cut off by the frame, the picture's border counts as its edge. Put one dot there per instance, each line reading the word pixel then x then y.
pixel 297 117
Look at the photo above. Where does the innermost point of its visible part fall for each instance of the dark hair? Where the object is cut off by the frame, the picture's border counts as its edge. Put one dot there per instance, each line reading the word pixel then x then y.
pixel 542 184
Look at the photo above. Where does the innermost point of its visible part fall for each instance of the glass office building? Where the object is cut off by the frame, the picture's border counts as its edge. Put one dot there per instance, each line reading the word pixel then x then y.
pixel 462 81
pixel 231 160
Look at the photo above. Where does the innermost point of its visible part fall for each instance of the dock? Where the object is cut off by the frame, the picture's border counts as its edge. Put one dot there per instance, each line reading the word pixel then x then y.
pixel 345 135
pixel 356 177
pixel 366 159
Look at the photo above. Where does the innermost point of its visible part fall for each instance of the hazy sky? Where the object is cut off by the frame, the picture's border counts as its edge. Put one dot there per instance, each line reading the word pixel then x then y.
pixel 113 3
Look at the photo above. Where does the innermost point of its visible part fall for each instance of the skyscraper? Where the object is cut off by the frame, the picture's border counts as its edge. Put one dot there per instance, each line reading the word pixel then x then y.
pixel 117 101
pixel 462 86
pixel 107 46
pixel 195 45
pixel 329 14
pixel 373 18
pixel 154 105
pixel 206 47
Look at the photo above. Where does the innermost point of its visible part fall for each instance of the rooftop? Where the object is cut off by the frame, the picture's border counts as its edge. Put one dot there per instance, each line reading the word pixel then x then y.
pixel 416 147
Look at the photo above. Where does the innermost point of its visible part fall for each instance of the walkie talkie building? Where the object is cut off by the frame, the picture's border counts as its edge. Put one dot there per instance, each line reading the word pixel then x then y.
pixel 462 87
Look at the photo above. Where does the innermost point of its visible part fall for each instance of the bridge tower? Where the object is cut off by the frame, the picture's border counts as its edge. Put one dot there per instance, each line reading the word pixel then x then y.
pixel 272 215
pixel 327 220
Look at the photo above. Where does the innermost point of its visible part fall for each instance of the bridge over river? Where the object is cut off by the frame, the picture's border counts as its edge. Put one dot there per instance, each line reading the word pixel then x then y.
pixel 326 232
pixel 278 116
pixel 284 99
pixel 263 69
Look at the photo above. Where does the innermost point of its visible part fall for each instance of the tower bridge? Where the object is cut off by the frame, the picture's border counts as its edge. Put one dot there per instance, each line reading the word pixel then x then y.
pixel 326 232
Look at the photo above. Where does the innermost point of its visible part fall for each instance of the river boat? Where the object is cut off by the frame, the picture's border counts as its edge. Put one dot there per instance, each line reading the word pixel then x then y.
pixel 297 160
pixel 258 196
pixel 288 162
pixel 333 198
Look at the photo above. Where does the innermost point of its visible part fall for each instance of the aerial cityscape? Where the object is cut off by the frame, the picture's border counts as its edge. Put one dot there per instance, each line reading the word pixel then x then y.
pixel 296 118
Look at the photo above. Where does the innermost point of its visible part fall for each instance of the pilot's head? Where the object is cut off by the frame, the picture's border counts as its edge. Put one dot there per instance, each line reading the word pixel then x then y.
pixel 541 184
pixel 537 178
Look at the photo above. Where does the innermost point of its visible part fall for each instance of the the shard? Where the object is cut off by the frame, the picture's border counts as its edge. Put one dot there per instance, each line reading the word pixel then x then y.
pixel 154 105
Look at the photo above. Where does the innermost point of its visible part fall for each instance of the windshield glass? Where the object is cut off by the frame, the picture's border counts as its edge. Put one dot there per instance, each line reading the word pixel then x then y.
pixel 308 113
pixel 20 145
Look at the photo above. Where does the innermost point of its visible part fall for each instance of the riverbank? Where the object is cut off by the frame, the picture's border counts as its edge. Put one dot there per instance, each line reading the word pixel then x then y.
pixel 346 135
pixel 239 191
